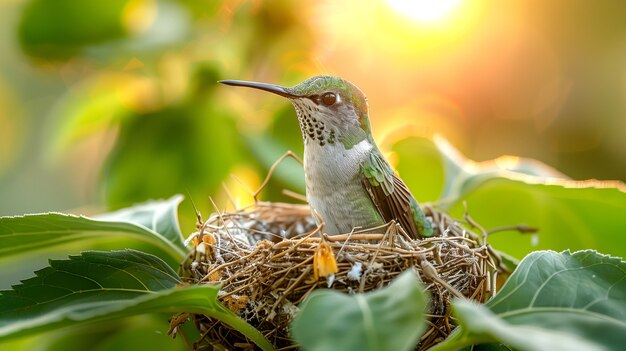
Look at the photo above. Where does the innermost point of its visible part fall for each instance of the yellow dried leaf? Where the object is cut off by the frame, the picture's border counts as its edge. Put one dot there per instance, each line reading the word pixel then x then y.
pixel 324 263
pixel 208 239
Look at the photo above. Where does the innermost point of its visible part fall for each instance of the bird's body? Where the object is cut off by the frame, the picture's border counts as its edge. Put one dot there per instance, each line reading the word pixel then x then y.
pixel 348 181
pixel 334 189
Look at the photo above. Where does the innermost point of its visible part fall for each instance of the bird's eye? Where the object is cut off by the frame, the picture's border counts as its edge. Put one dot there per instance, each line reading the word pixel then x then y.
pixel 329 99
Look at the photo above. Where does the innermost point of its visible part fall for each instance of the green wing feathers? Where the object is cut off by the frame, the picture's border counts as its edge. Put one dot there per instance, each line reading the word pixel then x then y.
pixel 392 197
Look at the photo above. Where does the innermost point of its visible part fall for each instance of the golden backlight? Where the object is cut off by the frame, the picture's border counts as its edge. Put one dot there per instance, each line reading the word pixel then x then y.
pixel 425 11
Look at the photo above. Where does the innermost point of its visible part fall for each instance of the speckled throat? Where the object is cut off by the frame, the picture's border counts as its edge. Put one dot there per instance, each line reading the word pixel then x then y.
pixel 313 129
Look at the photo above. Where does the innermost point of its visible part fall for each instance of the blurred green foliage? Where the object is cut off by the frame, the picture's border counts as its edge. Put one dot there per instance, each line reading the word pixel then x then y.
pixel 78 24
pixel 133 104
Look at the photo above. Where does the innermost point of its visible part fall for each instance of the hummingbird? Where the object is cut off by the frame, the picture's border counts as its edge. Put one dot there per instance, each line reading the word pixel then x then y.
pixel 348 181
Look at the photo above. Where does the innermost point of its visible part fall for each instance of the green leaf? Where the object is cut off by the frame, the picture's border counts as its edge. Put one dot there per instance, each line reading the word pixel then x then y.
pixel 144 332
pixel 103 30
pixel 134 333
pixel 553 301
pixel 435 170
pixel 79 288
pixel 572 216
pixel 45 30
pixel 464 175
pixel 510 191
pixel 102 285
pixel 159 216
pixel 26 235
pixel 391 318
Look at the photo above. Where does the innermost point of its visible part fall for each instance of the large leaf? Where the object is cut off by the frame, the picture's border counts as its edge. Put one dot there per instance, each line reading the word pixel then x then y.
pixel 25 235
pixel 391 318
pixel 574 215
pixel 464 175
pixel 102 285
pixel 510 191
pixel 133 333
pixel 76 289
pixel 553 301
pixel 160 216
pixel 435 168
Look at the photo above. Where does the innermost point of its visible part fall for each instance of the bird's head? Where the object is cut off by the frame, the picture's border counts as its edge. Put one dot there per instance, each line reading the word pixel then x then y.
pixel 330 109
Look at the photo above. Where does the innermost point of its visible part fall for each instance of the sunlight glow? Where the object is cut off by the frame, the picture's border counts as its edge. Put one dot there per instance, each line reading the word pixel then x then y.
pixel 425 11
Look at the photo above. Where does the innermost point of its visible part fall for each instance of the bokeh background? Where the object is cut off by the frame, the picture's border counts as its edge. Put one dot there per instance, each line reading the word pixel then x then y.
pixel 105 104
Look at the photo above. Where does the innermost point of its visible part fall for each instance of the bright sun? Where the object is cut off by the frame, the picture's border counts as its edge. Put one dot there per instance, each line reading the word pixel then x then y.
pixel 425 11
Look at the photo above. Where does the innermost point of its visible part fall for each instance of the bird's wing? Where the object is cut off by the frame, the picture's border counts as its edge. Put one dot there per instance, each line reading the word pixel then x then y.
pixel 392 197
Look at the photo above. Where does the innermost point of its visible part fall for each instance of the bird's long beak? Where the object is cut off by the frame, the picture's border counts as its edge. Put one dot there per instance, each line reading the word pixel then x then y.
pixel 276 89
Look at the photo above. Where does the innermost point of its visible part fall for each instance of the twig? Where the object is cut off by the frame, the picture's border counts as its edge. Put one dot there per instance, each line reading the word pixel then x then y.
pixel 294 195
pixel 229 195
pixel 271 171
pixel 521 228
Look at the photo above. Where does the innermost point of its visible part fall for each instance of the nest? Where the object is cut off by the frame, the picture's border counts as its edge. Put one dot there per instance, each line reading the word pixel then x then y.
pixel 263 256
